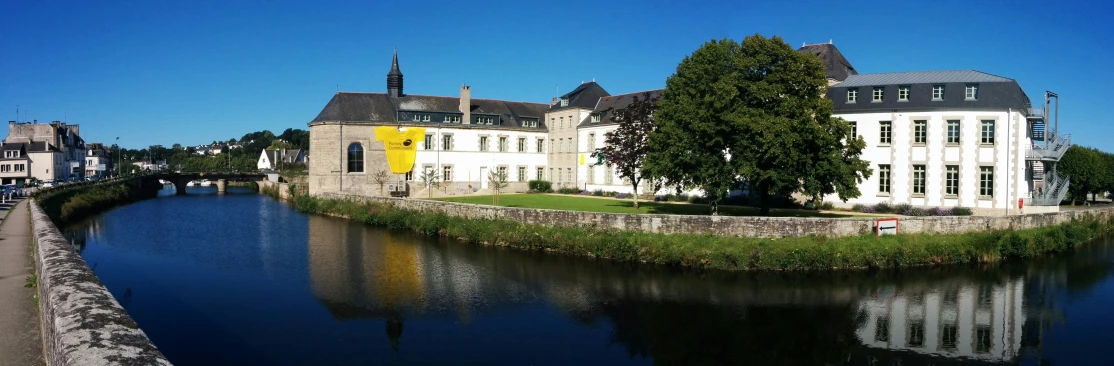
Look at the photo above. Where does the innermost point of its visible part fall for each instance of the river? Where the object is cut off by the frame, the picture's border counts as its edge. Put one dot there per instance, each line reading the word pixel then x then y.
pixel 239 279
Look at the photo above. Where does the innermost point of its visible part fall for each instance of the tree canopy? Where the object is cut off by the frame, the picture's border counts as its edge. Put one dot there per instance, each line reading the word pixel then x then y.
pixel 626 146
pixel 1090 170
pixel 753 114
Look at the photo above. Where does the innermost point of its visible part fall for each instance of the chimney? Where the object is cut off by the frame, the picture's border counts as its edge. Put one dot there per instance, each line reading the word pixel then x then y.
pixel 466 103
pixel 553 102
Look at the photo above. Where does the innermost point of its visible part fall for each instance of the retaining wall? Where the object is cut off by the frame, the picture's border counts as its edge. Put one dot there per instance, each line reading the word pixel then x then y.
pixel 82 323
pixel 740 226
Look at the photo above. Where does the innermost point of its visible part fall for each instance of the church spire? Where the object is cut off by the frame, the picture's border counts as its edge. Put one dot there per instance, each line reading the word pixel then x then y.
pixel 394 78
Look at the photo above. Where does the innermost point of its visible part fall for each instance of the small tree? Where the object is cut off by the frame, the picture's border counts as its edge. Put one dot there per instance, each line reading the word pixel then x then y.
pixel 380 177
pixel 625 148
pixel 496 180
pixel 430 178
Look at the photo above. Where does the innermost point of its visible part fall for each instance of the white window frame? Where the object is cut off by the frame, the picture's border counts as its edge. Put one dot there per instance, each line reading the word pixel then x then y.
pixel 521 174
pixel 971 92
pixel 903 93
pixel 920 132
pixel 951 181
pixel 483 143
pixel 595 117
pixel 878 93
pixel 521 144
pixel 885 132
pixel 986 181
pixel 885 175
pixel 958 128
pixel 937 92
pixel 852 95
pixel 919 173
pixel 986 135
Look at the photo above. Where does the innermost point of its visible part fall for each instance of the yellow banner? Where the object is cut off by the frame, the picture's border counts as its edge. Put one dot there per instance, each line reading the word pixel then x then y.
pixel 581 159
pixel 401 146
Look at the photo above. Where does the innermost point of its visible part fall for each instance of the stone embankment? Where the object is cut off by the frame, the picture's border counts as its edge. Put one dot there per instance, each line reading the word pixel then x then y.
pixel 82 324
pixel 736 226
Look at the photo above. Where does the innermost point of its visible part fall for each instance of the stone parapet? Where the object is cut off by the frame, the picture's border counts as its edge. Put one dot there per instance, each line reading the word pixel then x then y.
pixel 738 226
pixel 82 324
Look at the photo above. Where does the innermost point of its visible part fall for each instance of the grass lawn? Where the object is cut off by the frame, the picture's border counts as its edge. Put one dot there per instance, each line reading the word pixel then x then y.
pixel 612 205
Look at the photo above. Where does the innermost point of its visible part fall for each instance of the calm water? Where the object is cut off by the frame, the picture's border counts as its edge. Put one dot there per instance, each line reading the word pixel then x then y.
pixel 240 279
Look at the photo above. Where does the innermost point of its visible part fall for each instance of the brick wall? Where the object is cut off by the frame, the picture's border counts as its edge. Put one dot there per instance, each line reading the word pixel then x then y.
pixel 760 227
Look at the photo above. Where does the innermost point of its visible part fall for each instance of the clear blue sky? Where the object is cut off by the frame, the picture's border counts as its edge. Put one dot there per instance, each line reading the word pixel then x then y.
pixel 161 72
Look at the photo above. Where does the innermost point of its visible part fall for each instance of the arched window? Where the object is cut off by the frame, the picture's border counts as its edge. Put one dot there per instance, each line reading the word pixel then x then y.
pixel 355 158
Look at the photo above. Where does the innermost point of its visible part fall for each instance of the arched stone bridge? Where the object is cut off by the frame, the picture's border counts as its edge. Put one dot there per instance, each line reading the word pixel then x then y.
pixel 220 178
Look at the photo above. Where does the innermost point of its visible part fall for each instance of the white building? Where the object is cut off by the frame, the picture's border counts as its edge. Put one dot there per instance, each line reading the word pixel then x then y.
pixel 43 151
pixel 950 138
pixel 465 140
pixel 273 159
pixel 98 161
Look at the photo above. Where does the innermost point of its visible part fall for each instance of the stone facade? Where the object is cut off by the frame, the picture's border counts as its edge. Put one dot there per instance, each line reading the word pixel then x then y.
pixel 738 226
pixel 82 323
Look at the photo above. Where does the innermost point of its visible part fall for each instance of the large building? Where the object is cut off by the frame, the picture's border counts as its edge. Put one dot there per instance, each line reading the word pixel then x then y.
pixel 950 138
pixel 43 151
pixel 465 140
pixel 98 161
pixel 934 139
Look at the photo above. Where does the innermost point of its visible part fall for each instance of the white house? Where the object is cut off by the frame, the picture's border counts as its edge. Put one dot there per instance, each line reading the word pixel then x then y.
pixel 273 159
pixel 951 138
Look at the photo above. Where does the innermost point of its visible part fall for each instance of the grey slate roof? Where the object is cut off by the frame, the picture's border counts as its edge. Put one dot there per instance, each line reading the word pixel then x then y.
pixel 584 96
pixel 608 105
pixel 994 92
pixel 37 146
pixel 835 65
pixel 923 77
pixel 379 107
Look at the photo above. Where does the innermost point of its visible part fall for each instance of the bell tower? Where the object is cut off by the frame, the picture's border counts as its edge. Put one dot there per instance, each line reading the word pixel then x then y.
pixel 394 79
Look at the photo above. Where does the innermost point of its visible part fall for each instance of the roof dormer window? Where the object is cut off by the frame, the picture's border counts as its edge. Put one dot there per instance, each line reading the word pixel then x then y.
pixel 419 117
pixel 485 120
pixel 565 101
pixel 595 117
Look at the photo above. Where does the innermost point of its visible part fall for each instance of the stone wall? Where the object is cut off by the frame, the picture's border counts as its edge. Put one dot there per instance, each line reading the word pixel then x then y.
pixel 82 323
pixel 759 227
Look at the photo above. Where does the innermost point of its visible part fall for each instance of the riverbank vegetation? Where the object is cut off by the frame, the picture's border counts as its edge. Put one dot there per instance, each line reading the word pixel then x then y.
pixel 620 205
pixel 726 253
pixel 74 202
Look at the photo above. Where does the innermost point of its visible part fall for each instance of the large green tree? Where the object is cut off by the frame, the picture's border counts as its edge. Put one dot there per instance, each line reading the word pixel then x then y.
pixel 1089 170
pixel 753 114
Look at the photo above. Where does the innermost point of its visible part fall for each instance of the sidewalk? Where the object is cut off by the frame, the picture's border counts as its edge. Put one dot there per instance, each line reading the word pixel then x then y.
pixel 20 339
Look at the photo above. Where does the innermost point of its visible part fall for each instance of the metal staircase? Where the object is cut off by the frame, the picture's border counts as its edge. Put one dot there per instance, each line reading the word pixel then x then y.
pixel 1046 149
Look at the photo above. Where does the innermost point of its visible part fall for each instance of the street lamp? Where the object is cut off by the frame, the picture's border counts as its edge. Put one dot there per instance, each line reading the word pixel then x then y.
pixel 119 154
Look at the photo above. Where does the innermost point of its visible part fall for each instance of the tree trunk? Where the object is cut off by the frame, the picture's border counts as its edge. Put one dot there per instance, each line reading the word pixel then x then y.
pixel 635 196
pixel 764 204
pixel 715 208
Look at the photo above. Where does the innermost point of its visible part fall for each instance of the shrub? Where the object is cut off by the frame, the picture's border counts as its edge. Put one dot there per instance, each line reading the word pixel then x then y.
pixel 567 190
pixel 961 211
pixel 622 195
pixel 540 186
pixel 858 207
pixel 882 208
pixel 901 208
pixel 916 211
pixel 598 193
pixel 827 206
pixel 680 198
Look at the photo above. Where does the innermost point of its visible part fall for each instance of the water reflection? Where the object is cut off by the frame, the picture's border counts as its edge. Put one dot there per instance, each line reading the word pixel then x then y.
pixel 936 316
pixel 211 281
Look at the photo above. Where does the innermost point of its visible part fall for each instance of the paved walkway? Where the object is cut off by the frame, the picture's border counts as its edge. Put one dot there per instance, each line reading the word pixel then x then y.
pixel 20 339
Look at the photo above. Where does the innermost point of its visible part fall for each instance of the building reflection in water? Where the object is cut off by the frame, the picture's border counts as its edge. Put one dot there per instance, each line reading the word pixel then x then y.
pixel 938 316
pixel 982 321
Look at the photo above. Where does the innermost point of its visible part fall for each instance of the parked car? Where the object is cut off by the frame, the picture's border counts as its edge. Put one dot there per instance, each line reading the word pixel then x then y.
pixel 48 184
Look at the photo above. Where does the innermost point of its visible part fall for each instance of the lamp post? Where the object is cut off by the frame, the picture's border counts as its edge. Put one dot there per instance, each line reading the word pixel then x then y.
pixel 119 154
